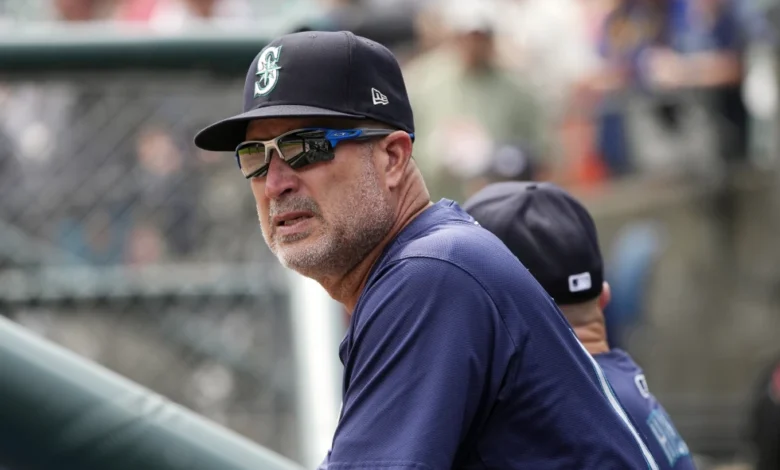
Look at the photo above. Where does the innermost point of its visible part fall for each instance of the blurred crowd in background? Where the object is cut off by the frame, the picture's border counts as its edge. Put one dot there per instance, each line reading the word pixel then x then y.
pixel 102 171
pixel 573 91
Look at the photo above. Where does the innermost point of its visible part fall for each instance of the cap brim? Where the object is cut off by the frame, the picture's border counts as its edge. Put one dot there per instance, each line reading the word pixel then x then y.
pixel 225 135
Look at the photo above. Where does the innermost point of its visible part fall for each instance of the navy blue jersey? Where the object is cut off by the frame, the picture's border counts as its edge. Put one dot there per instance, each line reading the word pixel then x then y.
pixel 456 358
pixel 648 416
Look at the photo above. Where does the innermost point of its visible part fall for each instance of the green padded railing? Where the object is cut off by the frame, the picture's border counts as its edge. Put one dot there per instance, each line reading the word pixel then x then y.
pixel 59 410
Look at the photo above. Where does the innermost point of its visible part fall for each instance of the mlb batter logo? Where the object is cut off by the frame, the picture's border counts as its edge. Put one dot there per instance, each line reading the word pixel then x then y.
pixel 580 282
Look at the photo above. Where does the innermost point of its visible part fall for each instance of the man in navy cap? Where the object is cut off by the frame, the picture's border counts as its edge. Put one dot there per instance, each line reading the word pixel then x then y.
pixel 555 237
pixel 454 357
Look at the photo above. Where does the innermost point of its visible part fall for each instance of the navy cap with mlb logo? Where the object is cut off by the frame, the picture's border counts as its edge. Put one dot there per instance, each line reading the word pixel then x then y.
pixel 317 74
pixel 549 231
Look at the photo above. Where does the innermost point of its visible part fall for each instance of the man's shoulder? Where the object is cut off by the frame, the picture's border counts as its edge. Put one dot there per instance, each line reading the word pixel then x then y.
pixel 449 240
pixel 625 376
pixel 629 383
pixel 459 244
pixel 632 390
pixel 482 262
pixel 616 358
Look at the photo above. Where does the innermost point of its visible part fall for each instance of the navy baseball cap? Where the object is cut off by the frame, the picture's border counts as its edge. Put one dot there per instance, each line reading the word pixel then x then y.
pixel 549 231
pixel 317 74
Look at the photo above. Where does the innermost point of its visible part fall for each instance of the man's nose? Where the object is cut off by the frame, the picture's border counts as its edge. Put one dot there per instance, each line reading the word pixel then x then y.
pixel 280 178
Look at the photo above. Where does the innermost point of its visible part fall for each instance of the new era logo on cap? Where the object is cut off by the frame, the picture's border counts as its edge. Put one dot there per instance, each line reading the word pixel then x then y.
pixel 579 282
pixel 378 97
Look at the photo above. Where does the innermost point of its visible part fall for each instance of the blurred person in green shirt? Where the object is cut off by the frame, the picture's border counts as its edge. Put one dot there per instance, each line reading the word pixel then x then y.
pixel 466 104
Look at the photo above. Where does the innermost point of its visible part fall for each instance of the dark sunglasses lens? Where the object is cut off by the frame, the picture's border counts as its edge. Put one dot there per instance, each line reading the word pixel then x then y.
pixel 251 158
pixel 291 148
pixel 299 151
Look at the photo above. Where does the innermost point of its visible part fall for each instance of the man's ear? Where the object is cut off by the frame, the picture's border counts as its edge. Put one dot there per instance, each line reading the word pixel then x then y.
pixel 606 296
pixel 398 147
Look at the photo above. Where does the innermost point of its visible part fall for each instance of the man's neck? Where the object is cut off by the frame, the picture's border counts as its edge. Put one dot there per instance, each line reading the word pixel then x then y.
pixel 593 336
pixel 347 288
pixel 587 321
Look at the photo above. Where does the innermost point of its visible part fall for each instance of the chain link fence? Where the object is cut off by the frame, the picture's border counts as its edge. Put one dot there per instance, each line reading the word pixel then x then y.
pixel 121 241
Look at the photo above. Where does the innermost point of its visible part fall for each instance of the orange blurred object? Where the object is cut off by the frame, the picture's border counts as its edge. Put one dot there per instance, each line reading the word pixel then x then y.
pixel 583 164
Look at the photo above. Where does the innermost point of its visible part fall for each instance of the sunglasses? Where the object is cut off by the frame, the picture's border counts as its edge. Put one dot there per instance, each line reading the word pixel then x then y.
pixel 298 148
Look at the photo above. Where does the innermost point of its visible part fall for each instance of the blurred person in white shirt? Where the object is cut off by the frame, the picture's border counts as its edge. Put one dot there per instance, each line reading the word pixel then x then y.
pixel 466 103
pixel 552 43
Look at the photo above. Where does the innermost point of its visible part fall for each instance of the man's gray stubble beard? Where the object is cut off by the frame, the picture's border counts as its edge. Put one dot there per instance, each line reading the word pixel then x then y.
pixel 363 222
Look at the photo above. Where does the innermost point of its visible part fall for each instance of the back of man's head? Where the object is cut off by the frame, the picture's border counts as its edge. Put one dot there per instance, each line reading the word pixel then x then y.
pixel 550 232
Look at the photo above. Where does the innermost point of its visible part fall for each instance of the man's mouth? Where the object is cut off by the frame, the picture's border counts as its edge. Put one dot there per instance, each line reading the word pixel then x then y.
pixel 291 219
pixel 288 222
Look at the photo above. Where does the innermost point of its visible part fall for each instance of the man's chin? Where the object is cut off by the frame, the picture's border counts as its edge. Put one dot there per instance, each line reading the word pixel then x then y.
pixel 292 239
pixel 295 250
pixel 302 263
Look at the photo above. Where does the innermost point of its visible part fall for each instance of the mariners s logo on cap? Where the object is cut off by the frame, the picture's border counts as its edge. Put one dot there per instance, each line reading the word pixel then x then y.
pixel 267 70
